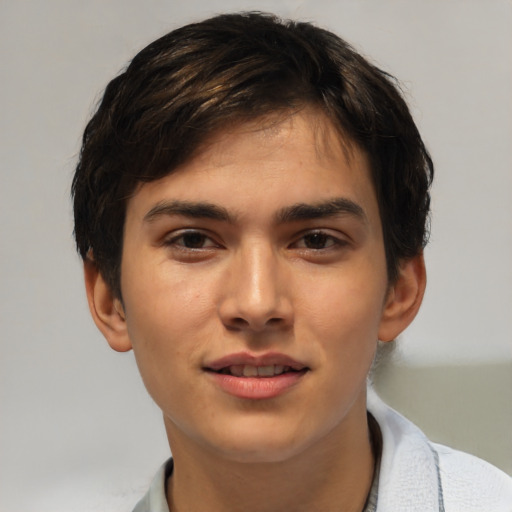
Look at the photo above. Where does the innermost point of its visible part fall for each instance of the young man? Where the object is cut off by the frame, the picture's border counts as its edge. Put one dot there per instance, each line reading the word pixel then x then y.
pixel 251 205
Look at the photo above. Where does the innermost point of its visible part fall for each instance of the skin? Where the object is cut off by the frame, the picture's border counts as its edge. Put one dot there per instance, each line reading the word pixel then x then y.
pixel 196 289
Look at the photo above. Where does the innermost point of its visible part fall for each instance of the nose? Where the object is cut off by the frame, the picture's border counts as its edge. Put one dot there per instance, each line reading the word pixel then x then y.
pixel 256 295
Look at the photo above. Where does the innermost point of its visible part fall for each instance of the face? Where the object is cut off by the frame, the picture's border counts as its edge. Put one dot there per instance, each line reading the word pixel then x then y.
pixel 254 285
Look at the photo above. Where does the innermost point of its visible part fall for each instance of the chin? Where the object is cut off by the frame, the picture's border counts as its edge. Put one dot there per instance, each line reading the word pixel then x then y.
pixel 258 443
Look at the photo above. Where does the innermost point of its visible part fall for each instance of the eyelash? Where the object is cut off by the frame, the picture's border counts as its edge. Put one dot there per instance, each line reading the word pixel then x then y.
pixel 173 241
pixel 332 241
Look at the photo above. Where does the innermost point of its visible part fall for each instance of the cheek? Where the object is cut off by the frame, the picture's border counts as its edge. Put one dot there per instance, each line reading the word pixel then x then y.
pixel 167 319
pixel 343 313
pixel 164 297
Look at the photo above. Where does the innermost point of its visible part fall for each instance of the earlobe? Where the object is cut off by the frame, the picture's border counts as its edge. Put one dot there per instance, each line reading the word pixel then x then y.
pixel 404 298
pixel 106 310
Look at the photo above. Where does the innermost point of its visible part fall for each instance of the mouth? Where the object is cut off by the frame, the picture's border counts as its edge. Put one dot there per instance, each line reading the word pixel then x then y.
pixel 256 377
pixel 248 370
pixel 244 364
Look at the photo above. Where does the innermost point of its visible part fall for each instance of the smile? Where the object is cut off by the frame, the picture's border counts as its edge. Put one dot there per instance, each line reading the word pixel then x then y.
pixel 256 377
pixel 247 370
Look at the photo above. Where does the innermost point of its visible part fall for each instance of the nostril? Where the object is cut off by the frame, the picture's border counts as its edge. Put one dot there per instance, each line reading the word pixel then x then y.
pixel 237 323
pixel 240 323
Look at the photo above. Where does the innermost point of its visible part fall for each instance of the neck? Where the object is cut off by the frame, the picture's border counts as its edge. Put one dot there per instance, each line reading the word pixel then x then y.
pixel 334 474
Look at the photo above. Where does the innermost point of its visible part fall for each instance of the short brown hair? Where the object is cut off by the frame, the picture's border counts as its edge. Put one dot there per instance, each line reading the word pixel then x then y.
pixel 233 68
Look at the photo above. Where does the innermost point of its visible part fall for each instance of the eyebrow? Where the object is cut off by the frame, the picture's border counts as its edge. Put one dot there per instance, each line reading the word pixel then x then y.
pixel 292 213
pixel 329 208
pixel 196 210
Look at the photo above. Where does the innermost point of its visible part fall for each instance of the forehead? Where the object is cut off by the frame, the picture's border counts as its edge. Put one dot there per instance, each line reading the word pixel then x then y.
pixel 263 137
pixel 266 165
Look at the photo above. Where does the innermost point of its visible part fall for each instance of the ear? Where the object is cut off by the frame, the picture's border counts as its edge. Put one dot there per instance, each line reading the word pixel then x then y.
pixel 404 298
pixel 106 310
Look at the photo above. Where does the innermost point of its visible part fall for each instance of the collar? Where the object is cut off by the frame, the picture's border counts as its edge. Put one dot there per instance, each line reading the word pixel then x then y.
pixel 408 481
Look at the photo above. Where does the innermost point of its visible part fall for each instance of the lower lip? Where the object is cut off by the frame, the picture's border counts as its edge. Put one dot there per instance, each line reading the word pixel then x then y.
pixel 257 388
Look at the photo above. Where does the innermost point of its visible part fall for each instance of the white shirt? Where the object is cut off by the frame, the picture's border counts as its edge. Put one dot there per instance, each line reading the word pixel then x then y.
pixel 415 474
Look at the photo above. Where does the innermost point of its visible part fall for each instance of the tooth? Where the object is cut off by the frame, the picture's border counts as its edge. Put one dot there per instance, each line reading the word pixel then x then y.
pixel 237 370
pixel 250 371
pixel 278 369
pixel 266 371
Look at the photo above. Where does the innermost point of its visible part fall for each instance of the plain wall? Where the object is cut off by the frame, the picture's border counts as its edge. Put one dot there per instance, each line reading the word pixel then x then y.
pixel 77 429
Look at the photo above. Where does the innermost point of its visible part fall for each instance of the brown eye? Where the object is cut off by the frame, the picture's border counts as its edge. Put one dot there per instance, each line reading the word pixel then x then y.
pixel 320 241
pixel 316 240
pixel 191 240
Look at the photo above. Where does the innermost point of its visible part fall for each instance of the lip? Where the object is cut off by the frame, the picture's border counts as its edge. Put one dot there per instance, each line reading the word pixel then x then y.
pixel 242 358
pixel 256 388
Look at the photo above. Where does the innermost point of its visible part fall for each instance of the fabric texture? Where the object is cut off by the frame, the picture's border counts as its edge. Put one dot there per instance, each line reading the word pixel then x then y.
pixel 419 476
pixel 415 475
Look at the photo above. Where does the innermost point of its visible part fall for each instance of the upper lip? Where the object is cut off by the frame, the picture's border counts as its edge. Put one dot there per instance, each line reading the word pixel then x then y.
pixel 245 358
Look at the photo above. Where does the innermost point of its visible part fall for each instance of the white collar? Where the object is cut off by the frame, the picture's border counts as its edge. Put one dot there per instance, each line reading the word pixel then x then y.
pixel 409 471
pixel 409 478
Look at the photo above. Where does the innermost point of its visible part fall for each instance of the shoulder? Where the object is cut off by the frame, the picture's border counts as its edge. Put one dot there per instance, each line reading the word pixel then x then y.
pixel 418 476
pixel 471 484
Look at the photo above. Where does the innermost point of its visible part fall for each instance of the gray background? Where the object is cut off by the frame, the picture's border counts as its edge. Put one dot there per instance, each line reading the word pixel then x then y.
pixel 77 430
